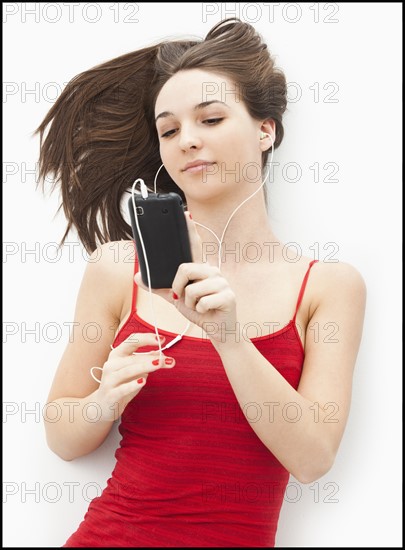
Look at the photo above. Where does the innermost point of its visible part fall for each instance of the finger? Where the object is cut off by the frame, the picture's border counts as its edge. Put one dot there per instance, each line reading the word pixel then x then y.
pixel 132 387
pixel 131 372
pixel 196 291
pixel 195 239
pixel 219 301
pixel 126 374
pixel 139 282
pixel 192 272
pixel 135 358
pixel 135 341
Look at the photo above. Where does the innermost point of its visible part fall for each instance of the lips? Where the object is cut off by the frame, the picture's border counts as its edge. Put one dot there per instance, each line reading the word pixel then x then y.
pixel 197 166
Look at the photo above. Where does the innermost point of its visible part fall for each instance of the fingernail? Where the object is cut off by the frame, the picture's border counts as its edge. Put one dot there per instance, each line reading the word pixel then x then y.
pixel 175 297
pixel 155 362
pixel 161 338
pixel 191 217
pixel 169 361
pixel 140 380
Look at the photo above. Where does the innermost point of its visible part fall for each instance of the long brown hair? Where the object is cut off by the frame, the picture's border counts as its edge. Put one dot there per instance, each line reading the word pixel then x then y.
pixel 102 134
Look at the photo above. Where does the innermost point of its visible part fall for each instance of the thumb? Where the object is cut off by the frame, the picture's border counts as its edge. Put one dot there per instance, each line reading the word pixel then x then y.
pixel 138 280
pixel 163 292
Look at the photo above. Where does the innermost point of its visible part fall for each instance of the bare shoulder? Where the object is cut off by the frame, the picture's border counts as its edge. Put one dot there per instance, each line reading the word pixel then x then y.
pixel 334 332
pixel 110 258
pixel 97 314
pixel 338 303
pixel 334 281
pixel 109 271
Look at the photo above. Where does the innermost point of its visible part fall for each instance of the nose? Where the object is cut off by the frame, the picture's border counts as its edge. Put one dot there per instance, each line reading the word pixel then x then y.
pixel 189 139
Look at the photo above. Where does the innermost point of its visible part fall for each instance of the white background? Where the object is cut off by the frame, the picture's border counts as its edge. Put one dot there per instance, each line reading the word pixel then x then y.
pixel 358 55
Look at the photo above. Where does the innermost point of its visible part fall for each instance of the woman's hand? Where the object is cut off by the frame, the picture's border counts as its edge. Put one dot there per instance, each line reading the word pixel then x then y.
pixel 125 372
pixel 204 295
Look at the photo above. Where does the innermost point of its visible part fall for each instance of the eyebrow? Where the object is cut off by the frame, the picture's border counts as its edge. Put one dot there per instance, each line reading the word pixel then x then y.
pixel 165 114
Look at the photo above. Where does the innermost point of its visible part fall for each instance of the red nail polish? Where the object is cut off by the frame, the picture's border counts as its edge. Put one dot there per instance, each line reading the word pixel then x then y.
pixel 140 380
pixel 168 361
pixel 191 217
pixel 175 297
pixel 155 362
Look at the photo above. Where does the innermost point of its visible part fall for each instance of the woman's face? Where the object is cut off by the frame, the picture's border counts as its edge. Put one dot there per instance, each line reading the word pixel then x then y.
pixel 209 143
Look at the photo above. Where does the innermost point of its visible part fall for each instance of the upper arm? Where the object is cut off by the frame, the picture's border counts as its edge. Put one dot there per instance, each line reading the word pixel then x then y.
pixel 332 342
pixel 97 312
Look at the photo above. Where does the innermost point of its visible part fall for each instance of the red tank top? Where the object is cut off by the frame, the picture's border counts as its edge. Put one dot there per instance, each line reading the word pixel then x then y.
pixel 190 470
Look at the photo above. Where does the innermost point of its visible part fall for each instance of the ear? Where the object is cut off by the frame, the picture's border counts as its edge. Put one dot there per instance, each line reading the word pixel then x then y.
pixel 267 127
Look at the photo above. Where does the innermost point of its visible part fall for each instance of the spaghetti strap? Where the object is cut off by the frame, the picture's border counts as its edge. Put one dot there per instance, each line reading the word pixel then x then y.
pixel 302 290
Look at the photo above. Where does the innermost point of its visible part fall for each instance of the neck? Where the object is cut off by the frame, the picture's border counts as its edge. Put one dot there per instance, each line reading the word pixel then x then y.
pixel 248 236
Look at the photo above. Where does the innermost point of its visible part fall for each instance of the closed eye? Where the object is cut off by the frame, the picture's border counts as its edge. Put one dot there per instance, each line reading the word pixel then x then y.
pixel 167 134
pixel 208 121
pixel 213 120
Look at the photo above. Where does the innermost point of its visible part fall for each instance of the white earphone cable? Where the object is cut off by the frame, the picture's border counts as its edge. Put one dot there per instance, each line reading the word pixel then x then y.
pixel 144 193
pixel 237 208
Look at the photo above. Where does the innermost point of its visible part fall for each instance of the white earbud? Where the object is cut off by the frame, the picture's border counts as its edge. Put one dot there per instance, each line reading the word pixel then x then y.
pixel 264 135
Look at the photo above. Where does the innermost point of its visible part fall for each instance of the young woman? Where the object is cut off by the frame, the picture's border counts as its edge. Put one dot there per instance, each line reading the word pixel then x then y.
pixel 212 430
